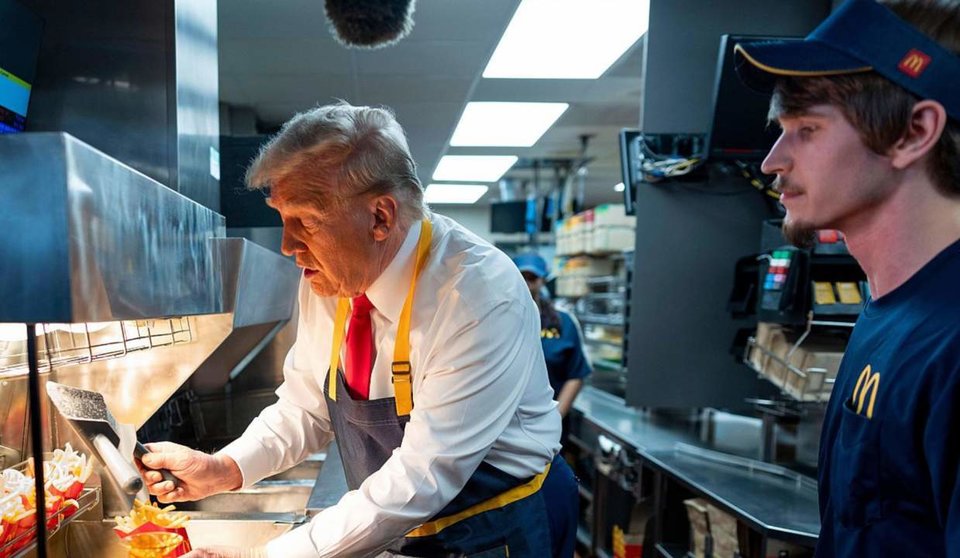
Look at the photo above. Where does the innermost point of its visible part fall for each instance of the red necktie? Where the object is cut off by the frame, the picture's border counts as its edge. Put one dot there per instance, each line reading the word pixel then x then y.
pixel 359 360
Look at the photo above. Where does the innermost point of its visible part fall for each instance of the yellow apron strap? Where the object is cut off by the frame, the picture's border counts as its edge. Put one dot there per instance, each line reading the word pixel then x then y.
pixel 513 495
pixel 400 368
pixel 343 307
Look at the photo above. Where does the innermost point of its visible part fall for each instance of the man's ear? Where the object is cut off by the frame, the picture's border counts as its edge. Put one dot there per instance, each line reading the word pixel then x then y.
pixel 927 121
pixel 385 213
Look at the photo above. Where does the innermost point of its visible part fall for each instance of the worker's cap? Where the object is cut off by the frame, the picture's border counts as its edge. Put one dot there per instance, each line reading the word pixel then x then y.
pixel 531 262
pixel 861 36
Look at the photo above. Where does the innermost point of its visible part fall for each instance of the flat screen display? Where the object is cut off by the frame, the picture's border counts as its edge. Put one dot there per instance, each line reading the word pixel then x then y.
pixel 508 216
pixel 739 130
pixel 520 216
pixel 20 32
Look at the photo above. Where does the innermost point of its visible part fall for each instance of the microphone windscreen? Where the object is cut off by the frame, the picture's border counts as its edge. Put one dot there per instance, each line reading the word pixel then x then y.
pixel 370 23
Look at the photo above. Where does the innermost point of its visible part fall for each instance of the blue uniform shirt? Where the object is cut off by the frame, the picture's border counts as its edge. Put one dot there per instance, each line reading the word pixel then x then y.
pixel 563 350
pixel 890 446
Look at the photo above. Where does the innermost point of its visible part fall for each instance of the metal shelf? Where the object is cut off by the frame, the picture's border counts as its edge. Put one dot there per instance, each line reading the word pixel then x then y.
pixel 617 344
pixel 583 536
pixel 597 319
pixel 66 344
pixel 667 550
pixel 607 280
pixel 607 365
pixel 612 254
pixel 606 295
pixel 802 377
pixel 585 493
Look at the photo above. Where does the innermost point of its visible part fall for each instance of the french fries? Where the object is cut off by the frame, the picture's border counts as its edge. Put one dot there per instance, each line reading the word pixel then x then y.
pixel 143 513
pixel 150 531
pixel 64 476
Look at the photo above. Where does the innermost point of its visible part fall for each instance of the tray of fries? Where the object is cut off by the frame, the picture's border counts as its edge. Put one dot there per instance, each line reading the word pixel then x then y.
pixel 150 531
pixel 65 474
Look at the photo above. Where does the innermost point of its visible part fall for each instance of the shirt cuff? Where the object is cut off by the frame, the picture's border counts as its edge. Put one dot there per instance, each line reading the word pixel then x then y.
pixel 293 544
pixel 248 454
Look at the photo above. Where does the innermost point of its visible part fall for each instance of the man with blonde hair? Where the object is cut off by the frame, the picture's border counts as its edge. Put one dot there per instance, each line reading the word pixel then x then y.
pixel 442 411
pixel 869 104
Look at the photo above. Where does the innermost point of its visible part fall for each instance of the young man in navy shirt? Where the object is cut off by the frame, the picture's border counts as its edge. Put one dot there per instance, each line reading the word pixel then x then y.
pixel 869 104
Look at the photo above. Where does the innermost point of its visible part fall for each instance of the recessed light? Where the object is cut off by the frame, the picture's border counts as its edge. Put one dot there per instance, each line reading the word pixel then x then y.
pixel 505 124
pixel 479 168
pixel 567 39
pixel 454 193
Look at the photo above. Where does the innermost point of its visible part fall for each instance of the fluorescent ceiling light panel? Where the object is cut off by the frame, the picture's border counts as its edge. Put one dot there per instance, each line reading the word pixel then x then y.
pixel 479 168
pixel 505 124
pixel 567 39
pixel 454 193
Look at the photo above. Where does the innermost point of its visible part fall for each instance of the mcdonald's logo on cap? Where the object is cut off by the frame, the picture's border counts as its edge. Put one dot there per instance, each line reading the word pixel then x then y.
pixel 869 382
pixel 914 63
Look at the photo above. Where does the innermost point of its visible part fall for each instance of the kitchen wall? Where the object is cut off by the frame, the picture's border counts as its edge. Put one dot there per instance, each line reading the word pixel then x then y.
pixel 475 218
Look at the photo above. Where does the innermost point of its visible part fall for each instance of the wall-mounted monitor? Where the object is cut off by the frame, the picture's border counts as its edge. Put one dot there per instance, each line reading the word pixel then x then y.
pixel 520 216
pixel 739 130
pixel 508 216
pixel 20 33
pixel 629 168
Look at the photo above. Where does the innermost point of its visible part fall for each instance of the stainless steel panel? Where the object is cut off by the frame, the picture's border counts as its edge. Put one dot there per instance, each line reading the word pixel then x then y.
pixel 88 239
pixel 288 496
pixel 260 289
pixel 265 370
pixel 260 286
pixel 137 79
pixel 136 385
pixel 781 507
pixel 102 76
pixel 196 101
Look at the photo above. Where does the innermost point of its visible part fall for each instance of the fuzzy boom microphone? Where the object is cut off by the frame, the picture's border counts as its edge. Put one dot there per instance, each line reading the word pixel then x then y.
pixel 370 23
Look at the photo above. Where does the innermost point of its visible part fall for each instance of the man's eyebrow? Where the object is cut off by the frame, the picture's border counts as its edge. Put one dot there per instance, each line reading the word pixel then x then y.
pixel 810 112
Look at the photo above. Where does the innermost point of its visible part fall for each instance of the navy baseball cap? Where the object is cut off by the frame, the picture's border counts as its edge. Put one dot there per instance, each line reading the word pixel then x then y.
pixel 861 36
pixel 531 262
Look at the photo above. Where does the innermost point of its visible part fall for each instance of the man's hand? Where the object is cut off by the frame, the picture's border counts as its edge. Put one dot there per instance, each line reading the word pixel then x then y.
pixel 200 474
pixel 225 552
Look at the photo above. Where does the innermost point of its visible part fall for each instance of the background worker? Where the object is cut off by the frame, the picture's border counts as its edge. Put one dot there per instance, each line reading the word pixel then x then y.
pixel 567 363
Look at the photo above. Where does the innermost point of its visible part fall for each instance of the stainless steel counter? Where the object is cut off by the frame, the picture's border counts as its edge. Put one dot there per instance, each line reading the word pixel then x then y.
pixel 783 506
pixel 639 430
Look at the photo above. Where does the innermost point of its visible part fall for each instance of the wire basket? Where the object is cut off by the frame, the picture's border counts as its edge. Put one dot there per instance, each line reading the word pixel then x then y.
pixel 809 384
pixel 61 345
pixel 24 542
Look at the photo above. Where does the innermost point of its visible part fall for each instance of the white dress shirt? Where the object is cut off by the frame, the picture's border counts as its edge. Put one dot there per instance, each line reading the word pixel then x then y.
pixel 480 393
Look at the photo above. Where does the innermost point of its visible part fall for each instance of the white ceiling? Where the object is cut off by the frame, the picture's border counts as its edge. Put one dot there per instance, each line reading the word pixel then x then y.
pixel 279 58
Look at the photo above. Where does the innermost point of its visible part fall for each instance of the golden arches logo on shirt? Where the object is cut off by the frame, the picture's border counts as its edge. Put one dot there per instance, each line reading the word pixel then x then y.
pixel 868 384
pixel 550 333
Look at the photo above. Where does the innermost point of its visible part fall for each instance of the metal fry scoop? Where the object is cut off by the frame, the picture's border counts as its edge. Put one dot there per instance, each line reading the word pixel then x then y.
pixel 89 416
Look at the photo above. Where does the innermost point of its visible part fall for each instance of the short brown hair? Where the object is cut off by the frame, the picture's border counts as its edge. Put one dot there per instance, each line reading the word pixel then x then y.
pixel 339 150
pixel 878 108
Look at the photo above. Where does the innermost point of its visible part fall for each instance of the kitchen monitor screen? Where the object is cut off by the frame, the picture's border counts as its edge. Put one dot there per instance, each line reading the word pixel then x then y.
pixel 740 129
pixel 20 31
